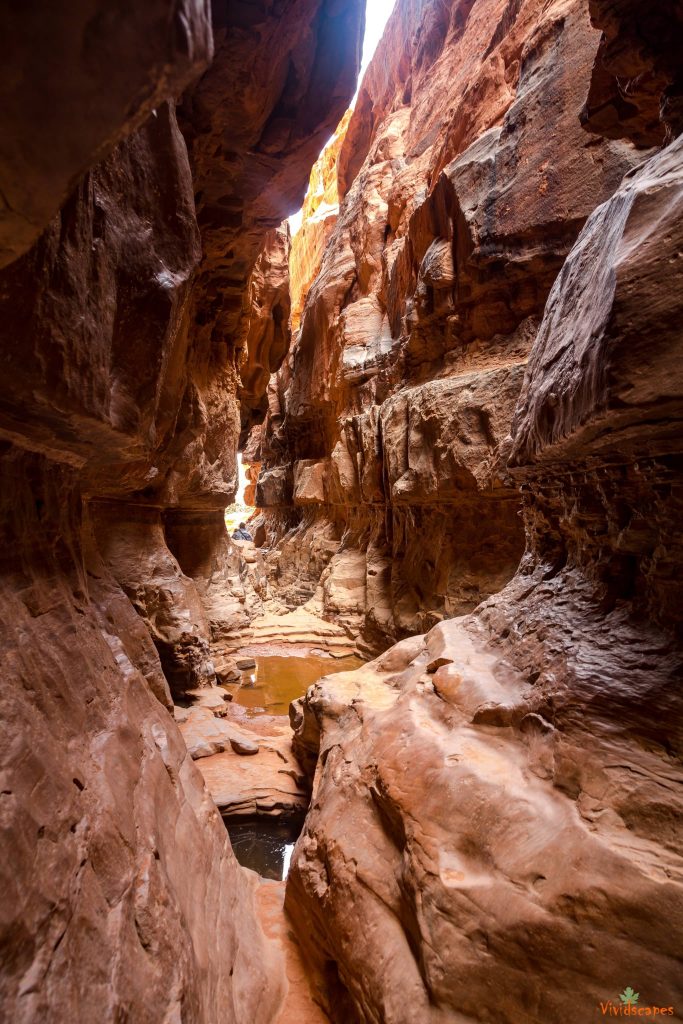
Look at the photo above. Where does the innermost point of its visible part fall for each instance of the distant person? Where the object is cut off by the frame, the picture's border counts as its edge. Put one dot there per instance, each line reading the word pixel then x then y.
pixel 242 533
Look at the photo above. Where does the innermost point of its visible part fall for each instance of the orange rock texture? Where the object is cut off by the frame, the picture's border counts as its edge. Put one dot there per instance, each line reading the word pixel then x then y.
pixel 471 445
pixel 129 329
pixel 319 215
pixel 466 177
pixel 496 830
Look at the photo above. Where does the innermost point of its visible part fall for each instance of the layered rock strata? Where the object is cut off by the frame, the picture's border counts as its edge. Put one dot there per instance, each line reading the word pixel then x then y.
pixel 119 421
pixel 465 177
pixel 247 764
pixel 495 830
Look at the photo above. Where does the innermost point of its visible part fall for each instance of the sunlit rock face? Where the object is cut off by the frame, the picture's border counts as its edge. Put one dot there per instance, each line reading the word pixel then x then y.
pixel 288 72
pixel 466 177
pixel 119 423
pixel 319 215
pixel 495 832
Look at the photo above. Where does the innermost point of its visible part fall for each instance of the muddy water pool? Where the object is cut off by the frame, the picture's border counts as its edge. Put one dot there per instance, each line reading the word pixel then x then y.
pixel 266 844
pixel 270 687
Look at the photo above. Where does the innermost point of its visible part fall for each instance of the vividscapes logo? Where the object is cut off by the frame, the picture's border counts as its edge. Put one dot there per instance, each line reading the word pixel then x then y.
pixel 628 1007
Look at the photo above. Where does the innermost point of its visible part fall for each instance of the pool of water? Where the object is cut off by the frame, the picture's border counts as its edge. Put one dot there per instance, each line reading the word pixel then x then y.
pixel 265 844
pixel 276 681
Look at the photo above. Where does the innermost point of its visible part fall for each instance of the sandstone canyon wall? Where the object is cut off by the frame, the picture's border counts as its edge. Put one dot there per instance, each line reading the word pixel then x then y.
pixel 495 830
pixel 466 177
pixel 134 316
pixel 318 217
pixel 481 409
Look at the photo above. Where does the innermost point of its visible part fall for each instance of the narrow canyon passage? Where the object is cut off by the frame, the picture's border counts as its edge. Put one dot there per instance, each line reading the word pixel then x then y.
pixel 341 601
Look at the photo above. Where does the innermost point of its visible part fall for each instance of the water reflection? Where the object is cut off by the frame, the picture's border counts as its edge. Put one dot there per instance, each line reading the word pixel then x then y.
pixel 277 681
pixel 265 844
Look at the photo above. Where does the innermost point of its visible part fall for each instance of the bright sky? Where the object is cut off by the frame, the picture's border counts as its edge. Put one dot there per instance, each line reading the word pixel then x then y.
pixel 376 16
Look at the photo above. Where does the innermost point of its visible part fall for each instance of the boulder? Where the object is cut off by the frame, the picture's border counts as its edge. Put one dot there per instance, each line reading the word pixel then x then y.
pixel 246 748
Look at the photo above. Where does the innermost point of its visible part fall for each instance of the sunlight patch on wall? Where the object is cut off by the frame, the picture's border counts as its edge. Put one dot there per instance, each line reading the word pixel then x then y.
pixel 239 511
pixel 376 16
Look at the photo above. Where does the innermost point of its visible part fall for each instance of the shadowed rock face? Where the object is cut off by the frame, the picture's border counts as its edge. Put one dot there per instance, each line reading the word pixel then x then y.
pixel 122 895
pixel 119 421
pixel 288 73
pixel 266 322
pixel 637 86
pixel 74 83
pixel 602 402
pixel 466 178
pixel 495 830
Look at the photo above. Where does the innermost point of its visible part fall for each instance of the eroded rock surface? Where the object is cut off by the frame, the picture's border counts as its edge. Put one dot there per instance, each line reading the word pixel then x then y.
pixel 495 832
pixel 494 329
pixel 288 72
pixel 247 764
pixel 465 178
pixel 484 845
pixel 122 896
pixel 636 88
pixel 119 422
pixel 76 79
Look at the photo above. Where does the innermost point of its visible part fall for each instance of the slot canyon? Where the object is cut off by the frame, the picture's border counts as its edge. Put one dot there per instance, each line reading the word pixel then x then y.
pixel 410 749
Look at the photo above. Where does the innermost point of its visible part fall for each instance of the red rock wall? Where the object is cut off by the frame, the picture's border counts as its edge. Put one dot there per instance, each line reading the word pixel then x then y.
pixel 126 336
pixel 636 85
pixel 265 335
pixel 122 898
pixel 467 177
pixel 495 831
pixel 73 87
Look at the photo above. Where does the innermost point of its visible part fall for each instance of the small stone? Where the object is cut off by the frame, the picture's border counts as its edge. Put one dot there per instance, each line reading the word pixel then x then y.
pixel 226 671
pixel 244 747
pixel 244 663
pixel 204 747
pixel 497 715
pixel 231 677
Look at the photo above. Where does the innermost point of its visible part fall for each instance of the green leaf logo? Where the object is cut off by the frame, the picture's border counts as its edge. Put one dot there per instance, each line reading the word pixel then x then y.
pixel 629 997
